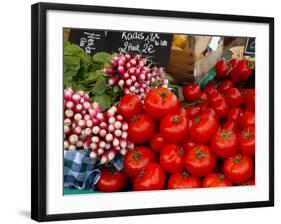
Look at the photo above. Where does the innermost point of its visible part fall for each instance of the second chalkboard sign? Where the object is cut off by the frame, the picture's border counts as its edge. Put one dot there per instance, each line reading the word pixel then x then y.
pixel 156 46
pixel 250 46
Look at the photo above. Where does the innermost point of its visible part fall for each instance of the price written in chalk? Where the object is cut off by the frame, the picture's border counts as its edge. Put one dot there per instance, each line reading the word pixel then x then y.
pixel 156 46
pixel 141 43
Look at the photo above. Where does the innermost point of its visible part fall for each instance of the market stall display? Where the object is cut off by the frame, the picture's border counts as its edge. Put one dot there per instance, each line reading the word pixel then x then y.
pixel 146 133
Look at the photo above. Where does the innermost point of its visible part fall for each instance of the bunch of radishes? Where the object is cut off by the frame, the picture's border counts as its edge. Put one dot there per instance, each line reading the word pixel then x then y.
pixel 86 126
pixel 135 75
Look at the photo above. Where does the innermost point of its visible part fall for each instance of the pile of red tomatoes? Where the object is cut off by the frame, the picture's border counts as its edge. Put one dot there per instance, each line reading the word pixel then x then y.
pixel 207 140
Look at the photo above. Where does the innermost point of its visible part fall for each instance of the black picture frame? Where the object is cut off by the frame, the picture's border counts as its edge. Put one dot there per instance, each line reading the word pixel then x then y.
pixel 38 108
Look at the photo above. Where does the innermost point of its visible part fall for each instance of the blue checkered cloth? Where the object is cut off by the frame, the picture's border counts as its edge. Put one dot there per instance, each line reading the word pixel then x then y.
pixel 80 170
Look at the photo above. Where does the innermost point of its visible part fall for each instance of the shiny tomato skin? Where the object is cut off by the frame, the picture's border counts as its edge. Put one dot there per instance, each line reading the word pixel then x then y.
pixel 221 107
pixel 191 92
pixel 172 158
pixel 231 126
pixel 241 72
pixel 216 180
pixel 235 114
pixel 130 105
pixel 112 180
pixel 182 180
pixel 238 169
pixel 225 85
pixel 222 69
pixel 152 177
pixel 209 90
pixel 248 119
pixel 141 128
pixel 203 102
pixel 225 143
pixel 210 111
pixel 247 141
pixel 157 142
pixel 200 161
pixel 160 102
pixel 192 112
pixel 174 128
pixel 136 159
pixel 214 97
pixel 203 128
pixel 233 62
pixel 233 97
pixel 249 99
pixel 188 144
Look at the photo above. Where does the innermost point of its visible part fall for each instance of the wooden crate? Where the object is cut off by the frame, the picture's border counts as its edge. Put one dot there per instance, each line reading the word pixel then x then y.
pixel 191 58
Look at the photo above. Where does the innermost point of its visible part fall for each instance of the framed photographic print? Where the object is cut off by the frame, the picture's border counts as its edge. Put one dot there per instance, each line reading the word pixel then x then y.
pixel 138 111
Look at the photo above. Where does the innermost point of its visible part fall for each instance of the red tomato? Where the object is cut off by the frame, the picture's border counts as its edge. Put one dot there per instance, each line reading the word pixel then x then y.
pixel 136 159
pixel 242 72
pixel 187 145
pixel 160 102
pixel 157 142
pixel 225 85
pixel 221 107
pixel 233 62
pixel 141 128
pixel 203 128
pixel 209 90
pixel 249 183
pixel 224 143
pixel 248 119
pixel 222 69
pixel 182 180
pixel 111 180
pixel 210 111
pixel 172 158
pixel 250 100
pixel 203 102
pixel 200 161
pixel 214 97
pixel 230 125
pixel 216 180
pixel 247 141
pixel 130 105
pixel 212 83
pixel 174 128
pixel 192 112
pixel 191 92
pixel 233 97
pixel 238 168
pixel 235 114
pixel 152 177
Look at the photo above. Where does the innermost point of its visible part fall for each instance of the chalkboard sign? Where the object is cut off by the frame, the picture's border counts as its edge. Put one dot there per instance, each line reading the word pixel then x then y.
pixel 154 45
pixel 91 41
pixel 250 46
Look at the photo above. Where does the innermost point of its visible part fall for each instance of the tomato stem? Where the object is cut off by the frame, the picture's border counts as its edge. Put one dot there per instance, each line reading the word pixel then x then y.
pixel 220 176
pixel 237 159
pixel 136 156
pixel 247 135
pixel 185 174
pixel 176 120
pixel 199 154
pixel 163 95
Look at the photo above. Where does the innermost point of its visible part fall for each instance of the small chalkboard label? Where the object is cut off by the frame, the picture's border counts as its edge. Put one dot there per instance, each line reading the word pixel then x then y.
pixel 156 46
pixel 250 46
pixel 91 41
